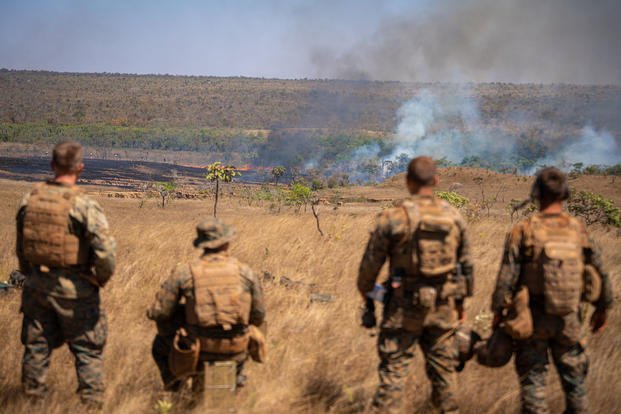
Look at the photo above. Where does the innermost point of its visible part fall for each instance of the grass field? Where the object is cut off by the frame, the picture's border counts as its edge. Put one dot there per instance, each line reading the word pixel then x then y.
pixel 320 359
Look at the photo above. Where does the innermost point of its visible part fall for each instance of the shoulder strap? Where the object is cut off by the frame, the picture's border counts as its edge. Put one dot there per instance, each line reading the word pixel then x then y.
pixel 412 215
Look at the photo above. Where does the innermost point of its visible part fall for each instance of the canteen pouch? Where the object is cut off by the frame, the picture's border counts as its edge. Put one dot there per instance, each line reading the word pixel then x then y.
pixel 184 355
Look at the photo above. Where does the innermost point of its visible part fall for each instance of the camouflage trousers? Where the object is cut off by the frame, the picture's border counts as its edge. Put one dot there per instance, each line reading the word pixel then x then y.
pixel 49 323
pixel 162 346
pixel 396 351
pixel 571 362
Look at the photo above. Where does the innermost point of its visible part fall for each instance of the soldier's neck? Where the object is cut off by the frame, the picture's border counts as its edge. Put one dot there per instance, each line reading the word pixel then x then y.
pixel 69 179
pixel 424 192
pixel 552 208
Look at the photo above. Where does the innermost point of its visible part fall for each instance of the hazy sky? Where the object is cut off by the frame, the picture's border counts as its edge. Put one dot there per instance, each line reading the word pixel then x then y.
pixel 575 41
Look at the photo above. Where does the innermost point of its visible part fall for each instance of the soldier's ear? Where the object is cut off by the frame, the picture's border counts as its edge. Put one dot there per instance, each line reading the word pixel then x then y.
pixel 436 180
pixel 79 168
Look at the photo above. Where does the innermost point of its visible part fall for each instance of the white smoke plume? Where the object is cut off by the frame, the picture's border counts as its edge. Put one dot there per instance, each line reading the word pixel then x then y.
pixel 449 127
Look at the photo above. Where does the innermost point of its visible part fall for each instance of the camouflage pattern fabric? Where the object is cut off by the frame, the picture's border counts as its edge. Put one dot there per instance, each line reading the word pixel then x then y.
pixel 87 220
pixel 532 364
pixel 169 315
pixel 48 323
pixel 559 335
pixel 404 324
pixel 396 351
pixel 61 306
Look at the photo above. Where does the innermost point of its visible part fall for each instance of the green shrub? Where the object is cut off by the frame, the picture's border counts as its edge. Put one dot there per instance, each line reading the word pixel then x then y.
pixel 594 208
pixel 454 199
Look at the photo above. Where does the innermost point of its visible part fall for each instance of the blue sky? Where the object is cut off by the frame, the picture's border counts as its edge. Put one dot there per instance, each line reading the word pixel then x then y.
pixel 269 38
pixel 542 41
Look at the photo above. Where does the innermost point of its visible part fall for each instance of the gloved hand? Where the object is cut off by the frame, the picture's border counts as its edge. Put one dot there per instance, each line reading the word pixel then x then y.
pixel 599 320
pixel 368 315
pixel 461 312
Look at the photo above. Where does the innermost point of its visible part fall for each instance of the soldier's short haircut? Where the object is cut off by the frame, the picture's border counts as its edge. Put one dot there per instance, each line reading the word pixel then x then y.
pixel 550 185
pixel 67 156
pixel 422 171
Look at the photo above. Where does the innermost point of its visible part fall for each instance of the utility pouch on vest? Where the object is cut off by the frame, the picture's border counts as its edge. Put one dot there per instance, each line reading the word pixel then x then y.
pixel 434 239
pixel 592 284
pixel 436 255
pixel 184 355
pixel 234 345
pixel 519 325
pixel 257 347
pixel 562 277
pixel 425 297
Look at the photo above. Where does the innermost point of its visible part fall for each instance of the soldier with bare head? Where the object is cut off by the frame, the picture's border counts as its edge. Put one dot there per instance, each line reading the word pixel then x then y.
pixel 65 250
pixel 550 257
pixel 214 303
pixel 425 242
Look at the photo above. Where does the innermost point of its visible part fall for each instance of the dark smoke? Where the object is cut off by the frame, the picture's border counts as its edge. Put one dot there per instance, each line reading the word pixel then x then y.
pixel 522 41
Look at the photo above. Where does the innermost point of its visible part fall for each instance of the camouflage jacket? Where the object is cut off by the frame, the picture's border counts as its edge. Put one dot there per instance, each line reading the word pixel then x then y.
pixel 88 222
pixel 514 257
pixel 179 288
pixel 391 232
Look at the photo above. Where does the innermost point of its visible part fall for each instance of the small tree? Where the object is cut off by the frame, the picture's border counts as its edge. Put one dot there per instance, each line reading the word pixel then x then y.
pixel 217 172
pixel 299 195
pixel 278 172
pixel 166 190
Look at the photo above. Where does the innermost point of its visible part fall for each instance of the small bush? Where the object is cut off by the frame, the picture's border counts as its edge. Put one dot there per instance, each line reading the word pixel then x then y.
pixel 594 208
pixel 454 199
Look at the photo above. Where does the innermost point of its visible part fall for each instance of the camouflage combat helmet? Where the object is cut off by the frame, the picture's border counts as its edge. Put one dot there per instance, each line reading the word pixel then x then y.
pixel 212 234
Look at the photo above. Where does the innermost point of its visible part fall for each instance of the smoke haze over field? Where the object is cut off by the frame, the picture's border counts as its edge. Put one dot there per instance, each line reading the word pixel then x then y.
pixel 567 41
pixel 541 41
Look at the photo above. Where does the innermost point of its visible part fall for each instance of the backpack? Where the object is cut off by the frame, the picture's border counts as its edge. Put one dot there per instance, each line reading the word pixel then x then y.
pixel 434 238
pixel 558 262
pixel 219 298
pixel 47 239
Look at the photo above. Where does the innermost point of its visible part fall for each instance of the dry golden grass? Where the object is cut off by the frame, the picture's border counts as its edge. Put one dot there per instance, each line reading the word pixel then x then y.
pixel 319 358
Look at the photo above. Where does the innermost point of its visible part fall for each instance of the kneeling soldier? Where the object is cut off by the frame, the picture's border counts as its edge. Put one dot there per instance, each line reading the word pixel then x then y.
pixel 212 301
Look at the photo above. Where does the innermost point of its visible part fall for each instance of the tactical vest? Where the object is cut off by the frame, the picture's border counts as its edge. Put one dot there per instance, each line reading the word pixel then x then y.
pixel 219 298
pixel 554 262
pixel 434 239
pixel 47 239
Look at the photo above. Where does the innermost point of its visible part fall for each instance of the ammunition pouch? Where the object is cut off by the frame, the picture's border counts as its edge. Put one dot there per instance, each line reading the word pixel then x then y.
pixel 257 347
pixel 519 324
pixel 184 355
pixel 592 284
pixel 233 345
pixel 425 298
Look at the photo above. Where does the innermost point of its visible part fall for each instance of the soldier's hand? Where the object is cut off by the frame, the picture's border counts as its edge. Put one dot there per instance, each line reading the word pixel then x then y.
pixel 461 313
pixel 497 319
pixel 599 320
pixel 368 318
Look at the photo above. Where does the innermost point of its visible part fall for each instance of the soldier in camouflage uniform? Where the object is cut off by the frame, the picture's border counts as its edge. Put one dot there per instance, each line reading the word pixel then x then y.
pixel 530 252
pixel 178 304
pixel 64 249
pixel 426 243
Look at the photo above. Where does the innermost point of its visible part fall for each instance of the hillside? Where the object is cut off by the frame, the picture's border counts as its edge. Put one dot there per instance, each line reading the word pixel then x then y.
pixel 183 101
